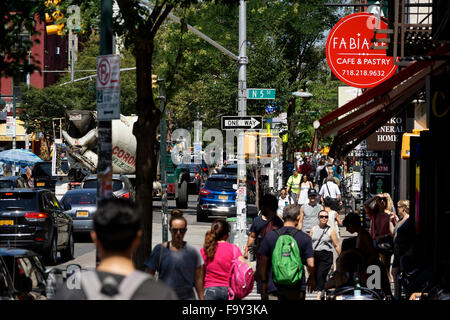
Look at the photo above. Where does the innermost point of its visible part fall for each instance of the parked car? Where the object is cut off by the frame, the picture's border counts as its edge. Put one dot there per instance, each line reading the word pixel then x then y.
pixel 34 219
pixel 42 174
pixel 122 186
pixel 80 205
pixel 26 273
pixel 13 182
pixel 217 198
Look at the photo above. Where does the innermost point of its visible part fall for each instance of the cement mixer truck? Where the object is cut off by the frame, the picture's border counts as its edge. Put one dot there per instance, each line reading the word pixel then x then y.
pixel 80 136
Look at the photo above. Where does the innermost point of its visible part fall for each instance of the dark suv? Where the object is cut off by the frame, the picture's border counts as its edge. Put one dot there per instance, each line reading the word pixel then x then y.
pixel 122 186
pixel 35 220
pixel 42 174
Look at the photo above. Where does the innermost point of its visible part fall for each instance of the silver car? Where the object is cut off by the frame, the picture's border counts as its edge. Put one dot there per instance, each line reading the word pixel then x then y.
pixel 81 205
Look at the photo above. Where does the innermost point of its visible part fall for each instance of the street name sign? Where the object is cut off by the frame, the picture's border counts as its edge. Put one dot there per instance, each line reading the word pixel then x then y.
pixel 108 87
pixel 245 123
pixel 261 94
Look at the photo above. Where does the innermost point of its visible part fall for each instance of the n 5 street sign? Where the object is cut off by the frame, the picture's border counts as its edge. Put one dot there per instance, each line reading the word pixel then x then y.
pixel 236 122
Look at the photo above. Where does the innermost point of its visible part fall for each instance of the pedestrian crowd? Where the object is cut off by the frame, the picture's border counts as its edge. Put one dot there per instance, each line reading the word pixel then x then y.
pixel 295 240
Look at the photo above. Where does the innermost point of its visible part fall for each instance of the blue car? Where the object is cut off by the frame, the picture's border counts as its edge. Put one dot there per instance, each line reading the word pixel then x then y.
pixel 217 198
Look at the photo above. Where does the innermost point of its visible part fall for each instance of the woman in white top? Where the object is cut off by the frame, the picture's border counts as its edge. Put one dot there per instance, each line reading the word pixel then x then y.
pixel 304 188
pixel 334 221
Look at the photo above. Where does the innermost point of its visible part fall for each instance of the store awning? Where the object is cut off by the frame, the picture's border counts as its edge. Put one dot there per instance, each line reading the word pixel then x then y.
pixel 20 133
pixel 359 118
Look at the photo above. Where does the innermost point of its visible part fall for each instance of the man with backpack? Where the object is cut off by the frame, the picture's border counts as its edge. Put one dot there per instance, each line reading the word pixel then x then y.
pixel 284 252
pixel 117 233
pixel 261 226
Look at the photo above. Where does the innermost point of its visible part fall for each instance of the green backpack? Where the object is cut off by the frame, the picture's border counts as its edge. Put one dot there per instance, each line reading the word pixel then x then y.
pixel 286 262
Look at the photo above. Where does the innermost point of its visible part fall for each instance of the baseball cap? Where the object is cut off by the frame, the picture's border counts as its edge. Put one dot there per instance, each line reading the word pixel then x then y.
pixel 295 170
pixel 312 193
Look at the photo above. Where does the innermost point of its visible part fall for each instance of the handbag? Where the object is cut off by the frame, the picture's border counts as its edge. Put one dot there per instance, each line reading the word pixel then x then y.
pixel 335 202
pixel 385 245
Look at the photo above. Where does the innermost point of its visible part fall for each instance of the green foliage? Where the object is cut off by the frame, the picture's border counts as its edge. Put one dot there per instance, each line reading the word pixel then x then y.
pixel 40 106
pixel 285 49
pixel 17 18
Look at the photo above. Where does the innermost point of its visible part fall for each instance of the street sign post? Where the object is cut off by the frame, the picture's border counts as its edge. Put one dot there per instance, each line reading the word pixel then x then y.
pixel 242 122
pixel 108 87
pixel 261 94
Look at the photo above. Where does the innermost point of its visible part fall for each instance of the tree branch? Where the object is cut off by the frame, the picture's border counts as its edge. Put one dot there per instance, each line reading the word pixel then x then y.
pixel 160 20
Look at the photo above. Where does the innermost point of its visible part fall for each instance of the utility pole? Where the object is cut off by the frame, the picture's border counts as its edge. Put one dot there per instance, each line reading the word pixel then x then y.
pixel 241 198
pixel 163 160
pixel 104 141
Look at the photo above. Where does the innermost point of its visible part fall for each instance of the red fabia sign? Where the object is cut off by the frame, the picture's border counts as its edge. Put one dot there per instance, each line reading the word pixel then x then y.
pixel 349 55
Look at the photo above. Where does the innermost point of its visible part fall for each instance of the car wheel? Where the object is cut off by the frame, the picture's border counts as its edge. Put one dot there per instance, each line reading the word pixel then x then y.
pixel 52 253
pixel 182 199
pixel 69 251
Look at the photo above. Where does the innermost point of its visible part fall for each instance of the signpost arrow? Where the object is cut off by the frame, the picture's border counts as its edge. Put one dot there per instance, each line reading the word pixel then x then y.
pixel 236 122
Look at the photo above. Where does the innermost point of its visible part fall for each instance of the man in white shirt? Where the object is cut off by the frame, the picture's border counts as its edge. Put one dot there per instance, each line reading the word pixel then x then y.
pixel 330 189
pixel 284 200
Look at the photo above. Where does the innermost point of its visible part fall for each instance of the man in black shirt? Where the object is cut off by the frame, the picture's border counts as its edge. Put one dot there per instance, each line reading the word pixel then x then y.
pixel 266 222
pixel 297 291
pixel 117 233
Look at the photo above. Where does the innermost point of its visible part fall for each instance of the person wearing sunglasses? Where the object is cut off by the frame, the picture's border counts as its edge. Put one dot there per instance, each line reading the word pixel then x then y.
pixel 324 239
pixel 179 264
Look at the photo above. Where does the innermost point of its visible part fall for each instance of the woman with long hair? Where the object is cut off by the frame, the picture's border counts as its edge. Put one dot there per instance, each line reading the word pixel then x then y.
pixel 382 226
pixel 305 186
pixel 178 263
pixel 403 238
pixel 218 255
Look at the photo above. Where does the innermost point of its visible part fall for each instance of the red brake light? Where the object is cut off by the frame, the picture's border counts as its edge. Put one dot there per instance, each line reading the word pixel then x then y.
pixel 35 215
pixel 9 194
pixel 204 192
pixel 126 195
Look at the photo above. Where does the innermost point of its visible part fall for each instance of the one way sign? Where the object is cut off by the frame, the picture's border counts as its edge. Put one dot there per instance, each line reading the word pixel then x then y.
pixel 235 122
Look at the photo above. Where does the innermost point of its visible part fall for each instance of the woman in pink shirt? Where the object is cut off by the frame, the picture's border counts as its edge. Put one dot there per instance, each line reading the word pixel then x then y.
pixel 218 255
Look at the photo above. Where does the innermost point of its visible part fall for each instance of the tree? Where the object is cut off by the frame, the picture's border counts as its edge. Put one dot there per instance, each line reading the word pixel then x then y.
pixel 285 49
pixel 18 18
pixel 138 26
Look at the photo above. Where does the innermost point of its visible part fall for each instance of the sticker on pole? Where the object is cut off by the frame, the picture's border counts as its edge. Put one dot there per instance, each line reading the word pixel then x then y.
pixel 108 87
pixel 349 53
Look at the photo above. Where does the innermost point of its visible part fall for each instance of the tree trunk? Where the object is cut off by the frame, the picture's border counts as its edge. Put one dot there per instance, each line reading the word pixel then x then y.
pixel 145 131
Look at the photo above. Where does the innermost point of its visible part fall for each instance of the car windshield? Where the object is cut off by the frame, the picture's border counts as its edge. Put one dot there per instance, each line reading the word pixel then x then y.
pixel 229 170
pixel 45 169
pixel 192 166
pixel 79 198
pixel 19 200
pixel 220 184
pixel 6 184
pixel 92 184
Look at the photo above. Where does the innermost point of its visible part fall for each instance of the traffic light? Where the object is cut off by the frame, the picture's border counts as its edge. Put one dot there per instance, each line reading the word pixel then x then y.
pixel 154 80
pixel 56 16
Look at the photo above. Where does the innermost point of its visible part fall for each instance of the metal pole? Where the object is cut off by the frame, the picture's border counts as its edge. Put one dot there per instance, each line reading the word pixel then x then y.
pixel 241 199
pixel 163 161
pixel 72 57
pixel 104 144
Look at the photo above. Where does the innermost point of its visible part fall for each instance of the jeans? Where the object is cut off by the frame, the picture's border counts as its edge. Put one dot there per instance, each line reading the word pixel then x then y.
pixel 216 293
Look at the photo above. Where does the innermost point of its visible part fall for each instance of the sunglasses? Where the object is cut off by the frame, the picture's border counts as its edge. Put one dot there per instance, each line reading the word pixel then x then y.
pixel 175 230
pixel 323 217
